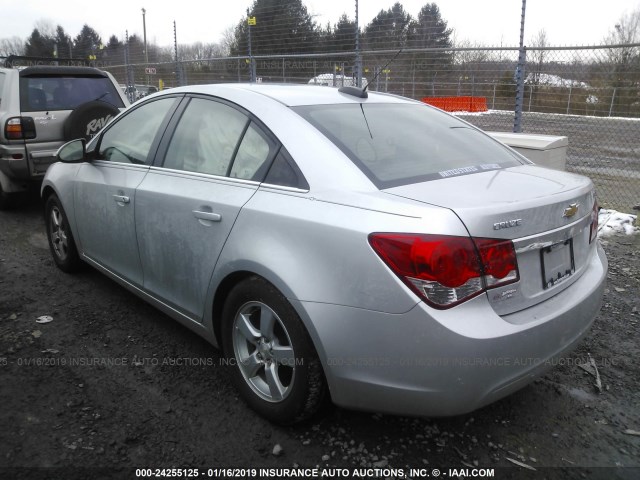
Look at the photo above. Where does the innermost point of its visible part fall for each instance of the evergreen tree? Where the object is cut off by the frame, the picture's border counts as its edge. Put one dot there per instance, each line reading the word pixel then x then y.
pixel 136 49
pixel 429 30
pixel 88 43
pixel 388 30
pixel 38 45
pixel 344 35
pixel 62 43
pixel 282 27
pixel 114 49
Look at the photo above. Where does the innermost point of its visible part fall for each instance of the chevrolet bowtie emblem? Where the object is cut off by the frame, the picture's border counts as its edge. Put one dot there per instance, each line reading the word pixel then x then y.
pixel 571 210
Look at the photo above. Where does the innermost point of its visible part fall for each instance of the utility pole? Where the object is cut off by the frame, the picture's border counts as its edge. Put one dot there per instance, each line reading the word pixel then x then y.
pixel 144 31
pixel 522 57
pixel 358 56
pixel 130 78
pixel 175 49
pixel 251 21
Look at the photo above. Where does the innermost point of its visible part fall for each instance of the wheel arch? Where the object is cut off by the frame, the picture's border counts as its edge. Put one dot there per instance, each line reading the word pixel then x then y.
pixel 245 291
pixel 47 191
pixel 59 181
pixel 220 297
pixel 231 279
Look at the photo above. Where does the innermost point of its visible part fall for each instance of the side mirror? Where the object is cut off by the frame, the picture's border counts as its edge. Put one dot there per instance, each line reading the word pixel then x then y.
pixel 72 152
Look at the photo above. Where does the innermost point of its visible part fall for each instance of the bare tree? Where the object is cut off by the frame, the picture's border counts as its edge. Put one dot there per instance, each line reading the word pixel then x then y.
pixel 623 61
pixel 469 63
pixel 537 56
pixel 11 46
pixel 46 28
pixel 626 31
pixel 227 40
pixel 201 51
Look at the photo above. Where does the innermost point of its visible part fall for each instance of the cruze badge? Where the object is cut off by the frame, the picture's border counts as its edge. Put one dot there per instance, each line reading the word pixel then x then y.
pixel 507 224
pixel 571 210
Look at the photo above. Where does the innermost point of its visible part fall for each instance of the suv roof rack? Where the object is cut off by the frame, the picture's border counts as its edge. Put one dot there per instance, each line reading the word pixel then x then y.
pixel 14 61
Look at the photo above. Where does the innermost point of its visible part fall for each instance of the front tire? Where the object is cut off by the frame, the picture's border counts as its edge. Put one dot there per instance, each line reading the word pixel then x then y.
pixel 61 243
pixel 275 366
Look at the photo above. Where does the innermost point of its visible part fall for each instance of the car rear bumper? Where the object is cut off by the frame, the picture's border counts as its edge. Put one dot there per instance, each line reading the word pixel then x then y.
pixel 438 363
pixel 17 164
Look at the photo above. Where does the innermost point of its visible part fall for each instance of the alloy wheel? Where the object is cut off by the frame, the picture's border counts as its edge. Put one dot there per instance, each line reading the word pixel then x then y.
pixel 264 352
pixel 59 237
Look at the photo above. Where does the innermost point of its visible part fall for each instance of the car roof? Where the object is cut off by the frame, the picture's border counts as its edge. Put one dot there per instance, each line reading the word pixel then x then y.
pixel 294 94
pixel 56 71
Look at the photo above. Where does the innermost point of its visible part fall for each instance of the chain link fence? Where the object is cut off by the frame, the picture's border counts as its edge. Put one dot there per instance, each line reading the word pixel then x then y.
pixel 589 94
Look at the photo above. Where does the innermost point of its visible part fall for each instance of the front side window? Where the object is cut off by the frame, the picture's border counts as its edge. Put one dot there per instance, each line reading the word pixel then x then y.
pixel 54 93
pixel 399 144
pixel 206 138
pixel 130 137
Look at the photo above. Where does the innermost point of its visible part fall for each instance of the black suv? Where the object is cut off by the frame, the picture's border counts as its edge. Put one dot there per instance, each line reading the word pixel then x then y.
pixel 41 108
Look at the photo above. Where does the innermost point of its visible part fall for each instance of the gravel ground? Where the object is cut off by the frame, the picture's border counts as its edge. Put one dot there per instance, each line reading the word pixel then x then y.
pixel 105 388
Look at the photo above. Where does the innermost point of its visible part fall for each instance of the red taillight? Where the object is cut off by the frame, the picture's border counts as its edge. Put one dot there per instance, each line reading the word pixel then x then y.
pixel 498 261
pixel 18 128
pixel 593 233
pixel 13 129
pixel 446 270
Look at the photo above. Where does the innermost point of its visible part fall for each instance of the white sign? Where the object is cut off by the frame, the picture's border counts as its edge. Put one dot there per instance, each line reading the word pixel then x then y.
pixel 150 71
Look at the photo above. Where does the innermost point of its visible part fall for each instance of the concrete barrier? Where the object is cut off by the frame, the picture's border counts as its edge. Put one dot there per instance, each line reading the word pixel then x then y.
pixel 458 104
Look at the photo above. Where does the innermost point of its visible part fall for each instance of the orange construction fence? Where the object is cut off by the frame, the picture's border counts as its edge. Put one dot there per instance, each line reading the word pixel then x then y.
pixel 458 104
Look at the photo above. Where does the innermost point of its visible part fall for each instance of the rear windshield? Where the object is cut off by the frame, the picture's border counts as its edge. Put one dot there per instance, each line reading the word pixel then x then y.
pixel 51 93
pixel 399 144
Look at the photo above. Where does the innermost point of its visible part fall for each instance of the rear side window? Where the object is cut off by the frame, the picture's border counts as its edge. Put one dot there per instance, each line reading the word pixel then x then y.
pixel 285 172
pixel 206 138
pixel 252 159
pixel 52 93
pixel 399 144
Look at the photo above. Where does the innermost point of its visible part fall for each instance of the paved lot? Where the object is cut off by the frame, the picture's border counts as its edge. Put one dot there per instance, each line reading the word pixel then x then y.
pixel 605 149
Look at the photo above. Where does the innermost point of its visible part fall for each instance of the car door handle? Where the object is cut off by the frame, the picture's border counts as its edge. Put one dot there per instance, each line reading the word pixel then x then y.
pixel 209 216
pixel 120 199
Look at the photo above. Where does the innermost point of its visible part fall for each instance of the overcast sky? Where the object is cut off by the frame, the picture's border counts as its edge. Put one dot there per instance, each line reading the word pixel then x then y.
pixel 490 22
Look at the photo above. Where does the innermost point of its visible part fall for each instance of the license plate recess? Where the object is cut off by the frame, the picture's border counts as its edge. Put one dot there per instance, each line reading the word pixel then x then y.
pixel 557 263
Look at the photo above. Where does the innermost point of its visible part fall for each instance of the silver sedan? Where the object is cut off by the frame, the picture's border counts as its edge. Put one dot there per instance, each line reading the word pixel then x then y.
pixel 338 244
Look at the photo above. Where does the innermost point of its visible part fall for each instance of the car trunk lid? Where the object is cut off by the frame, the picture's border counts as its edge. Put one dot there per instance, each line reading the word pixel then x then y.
pixel 546 213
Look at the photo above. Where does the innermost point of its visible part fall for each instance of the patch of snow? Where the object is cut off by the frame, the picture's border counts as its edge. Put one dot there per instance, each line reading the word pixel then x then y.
pixel 470 114
pixel 544 115
pixel 611 222
pixel 553 81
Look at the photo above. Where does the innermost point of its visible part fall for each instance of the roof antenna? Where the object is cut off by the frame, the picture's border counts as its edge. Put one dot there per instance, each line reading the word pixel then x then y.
pixel 362 92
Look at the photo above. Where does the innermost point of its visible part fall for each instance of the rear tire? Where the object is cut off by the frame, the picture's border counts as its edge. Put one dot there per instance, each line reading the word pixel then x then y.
pixel 61 242
pixel 274 364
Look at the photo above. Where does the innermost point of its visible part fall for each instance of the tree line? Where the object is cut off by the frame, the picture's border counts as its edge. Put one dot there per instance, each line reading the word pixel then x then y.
pixel 282 27
pixel 285 27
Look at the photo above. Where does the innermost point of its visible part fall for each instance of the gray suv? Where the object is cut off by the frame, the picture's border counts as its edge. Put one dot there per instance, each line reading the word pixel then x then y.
pixel 42 107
